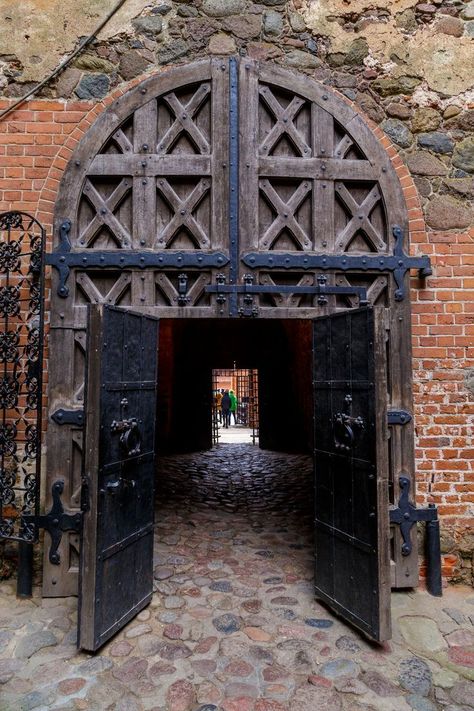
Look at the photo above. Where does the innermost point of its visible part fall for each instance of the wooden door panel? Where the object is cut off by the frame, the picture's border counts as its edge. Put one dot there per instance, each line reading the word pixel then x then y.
pixel 351 469
pixel 117 541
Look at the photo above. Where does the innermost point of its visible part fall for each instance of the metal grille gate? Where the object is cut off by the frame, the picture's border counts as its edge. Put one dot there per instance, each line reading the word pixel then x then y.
pixel 245 384
pixel 22 241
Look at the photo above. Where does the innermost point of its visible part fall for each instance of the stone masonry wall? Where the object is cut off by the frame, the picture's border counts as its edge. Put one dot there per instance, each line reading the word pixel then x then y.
pixel 407 66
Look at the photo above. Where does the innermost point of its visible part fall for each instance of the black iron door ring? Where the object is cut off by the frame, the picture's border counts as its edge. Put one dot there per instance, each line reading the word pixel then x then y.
pixel 343 433
pixel 131 440
pixel 344 430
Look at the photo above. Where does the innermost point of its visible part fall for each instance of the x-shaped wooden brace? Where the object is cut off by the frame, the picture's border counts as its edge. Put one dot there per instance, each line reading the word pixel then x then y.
pixel 122 141
pixel 373 291
pixel 105 213
pixel 284 123
pixel 193 293
pixel 288 300
pixel 343 147
pixel 112 296
pixel 184 121
pixel 80 343
pixel 285 215
pixel 183 210
pixel 360 215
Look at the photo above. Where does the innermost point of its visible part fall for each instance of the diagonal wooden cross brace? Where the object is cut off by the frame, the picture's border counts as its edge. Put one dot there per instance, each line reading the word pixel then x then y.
pixel 105 213
pixel 360 214
pixel 183 210
pixel 184 121
pixel 285 215
pixel 95 296
pixel 284 123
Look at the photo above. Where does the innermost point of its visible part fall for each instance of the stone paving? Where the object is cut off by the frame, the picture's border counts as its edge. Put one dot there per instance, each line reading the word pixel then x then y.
pixel 233 625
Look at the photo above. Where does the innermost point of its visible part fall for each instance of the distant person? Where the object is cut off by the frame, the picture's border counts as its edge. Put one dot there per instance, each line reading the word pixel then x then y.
pixel 233 405
pixel 225 408
pixel 217 404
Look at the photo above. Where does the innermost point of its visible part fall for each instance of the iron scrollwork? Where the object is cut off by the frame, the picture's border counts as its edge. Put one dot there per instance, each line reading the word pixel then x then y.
pixel 22 241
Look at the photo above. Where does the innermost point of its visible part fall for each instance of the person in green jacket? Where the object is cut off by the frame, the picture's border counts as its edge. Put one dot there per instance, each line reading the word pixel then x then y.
pixel 233 405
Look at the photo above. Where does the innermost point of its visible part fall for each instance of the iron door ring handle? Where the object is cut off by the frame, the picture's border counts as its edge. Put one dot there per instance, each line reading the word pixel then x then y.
pixel 344 430
pixel 131 440
pixel 343 435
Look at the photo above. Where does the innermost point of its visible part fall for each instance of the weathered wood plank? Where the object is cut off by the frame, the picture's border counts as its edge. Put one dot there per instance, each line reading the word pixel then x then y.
pixel 145 136
pixel 150 165
pixel 330 169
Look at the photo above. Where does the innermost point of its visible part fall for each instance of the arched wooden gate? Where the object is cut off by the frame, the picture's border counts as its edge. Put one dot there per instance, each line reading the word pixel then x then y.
pixel 228 188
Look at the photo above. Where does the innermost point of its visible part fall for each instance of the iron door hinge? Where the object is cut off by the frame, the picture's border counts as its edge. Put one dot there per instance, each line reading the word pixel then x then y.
pixel 398 417
pixel 56 522
pixel 406 516
pixel 68 417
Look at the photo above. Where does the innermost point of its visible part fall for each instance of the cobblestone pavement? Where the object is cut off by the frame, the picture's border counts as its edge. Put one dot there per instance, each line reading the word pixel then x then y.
pixel 233 625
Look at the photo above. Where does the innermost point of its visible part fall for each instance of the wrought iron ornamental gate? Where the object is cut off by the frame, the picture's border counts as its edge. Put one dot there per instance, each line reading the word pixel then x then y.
pixel 227 188
pixel 21 368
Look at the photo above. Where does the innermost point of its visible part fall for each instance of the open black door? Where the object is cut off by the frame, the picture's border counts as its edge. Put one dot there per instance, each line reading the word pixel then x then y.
pixel 116 574
pixel 351 469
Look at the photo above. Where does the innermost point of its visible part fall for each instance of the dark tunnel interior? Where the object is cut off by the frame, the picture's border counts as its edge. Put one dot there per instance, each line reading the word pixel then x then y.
pixel 189 350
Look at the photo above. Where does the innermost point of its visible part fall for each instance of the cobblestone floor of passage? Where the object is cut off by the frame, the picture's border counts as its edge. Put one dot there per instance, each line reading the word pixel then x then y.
pixel 233 625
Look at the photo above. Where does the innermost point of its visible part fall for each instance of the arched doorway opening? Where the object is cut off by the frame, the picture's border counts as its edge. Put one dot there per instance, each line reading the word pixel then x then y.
pixel 233 190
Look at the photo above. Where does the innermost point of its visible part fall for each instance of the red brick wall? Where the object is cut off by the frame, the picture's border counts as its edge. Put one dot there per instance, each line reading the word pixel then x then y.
pixel 36 143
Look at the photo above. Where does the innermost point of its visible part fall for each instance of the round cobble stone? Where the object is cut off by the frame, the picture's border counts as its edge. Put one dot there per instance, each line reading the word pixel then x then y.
pixel 415 676
pixel 227 623
pixel 221 586
pixel 421 703
pixel 339 667
pixel 347 644
pixel 320 624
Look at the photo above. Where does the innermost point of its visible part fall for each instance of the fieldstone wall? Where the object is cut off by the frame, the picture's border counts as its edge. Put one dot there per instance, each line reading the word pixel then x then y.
pixel 407 65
